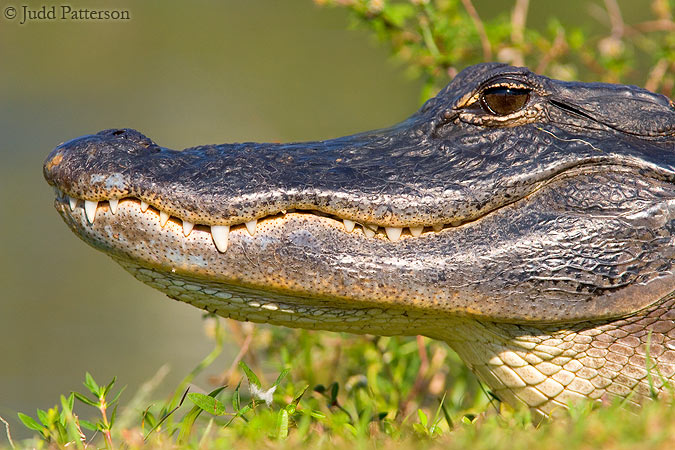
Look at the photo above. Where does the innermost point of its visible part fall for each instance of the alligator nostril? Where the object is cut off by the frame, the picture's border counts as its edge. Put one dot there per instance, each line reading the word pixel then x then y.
pixel 120 135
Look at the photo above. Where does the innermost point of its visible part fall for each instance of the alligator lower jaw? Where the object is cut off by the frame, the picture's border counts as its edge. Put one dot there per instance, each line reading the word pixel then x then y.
pixel 188 267
pixel 143 236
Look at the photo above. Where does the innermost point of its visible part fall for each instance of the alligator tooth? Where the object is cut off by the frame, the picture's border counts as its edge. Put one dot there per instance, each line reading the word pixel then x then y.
pixel 90 210
pixel 113 205
pixel 187 227
pixel 220 234
pixel 144 206
pixel 163 218
pixel 416 231
pixel 368 231
pixel 349 225
pixel 393 233
pixel 250 226
pixel 437 227
pixel 73 202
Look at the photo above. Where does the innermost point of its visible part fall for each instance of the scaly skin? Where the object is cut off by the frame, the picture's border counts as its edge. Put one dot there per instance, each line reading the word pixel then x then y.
pixel 537 241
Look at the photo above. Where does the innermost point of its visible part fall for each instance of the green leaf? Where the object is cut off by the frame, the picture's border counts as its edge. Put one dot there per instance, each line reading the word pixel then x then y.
pixel 53 415
pixel 419 428
pixel 190 418
pixel 468 419
pixel 334 388
pixel 297 398
pixel 109 386
pixel 117 396
pixel 317 414
pixel 29 422
pixel 236 399
pixel 207 403
pixel 91 384
pixel 62 433
pixel 149 418
pixel 446 414
pixel 252 378
pixel 67 404
pixel 186 424
pixel 244 410
pixel 422 417
pixel 281 376
pixel 85 400
pixel 66 409
pixel 113 416
pixel 88 425
pixel 43 416
pixel 282 424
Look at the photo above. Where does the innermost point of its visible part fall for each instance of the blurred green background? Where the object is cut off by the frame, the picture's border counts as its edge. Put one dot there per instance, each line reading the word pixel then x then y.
pixel 183 73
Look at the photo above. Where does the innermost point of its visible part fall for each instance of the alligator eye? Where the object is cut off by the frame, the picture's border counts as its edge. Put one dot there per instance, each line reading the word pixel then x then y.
pixel 503 100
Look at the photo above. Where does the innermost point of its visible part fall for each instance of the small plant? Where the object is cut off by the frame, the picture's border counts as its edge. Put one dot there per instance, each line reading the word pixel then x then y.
pixel 285 415
pixel 57 428
pixel 64 428
pixel 427 428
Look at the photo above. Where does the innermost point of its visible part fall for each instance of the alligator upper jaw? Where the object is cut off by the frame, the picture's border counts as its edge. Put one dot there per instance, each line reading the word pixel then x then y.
pixel 397 180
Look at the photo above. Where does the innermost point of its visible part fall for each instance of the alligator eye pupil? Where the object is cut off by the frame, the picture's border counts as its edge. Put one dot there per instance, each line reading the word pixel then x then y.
pixel 503 101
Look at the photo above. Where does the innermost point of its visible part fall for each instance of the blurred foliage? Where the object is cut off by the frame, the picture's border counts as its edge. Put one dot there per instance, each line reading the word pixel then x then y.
pixel 436 38
pixel 335 392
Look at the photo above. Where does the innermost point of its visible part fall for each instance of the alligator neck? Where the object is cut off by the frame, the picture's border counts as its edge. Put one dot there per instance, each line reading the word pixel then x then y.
pixel 547 368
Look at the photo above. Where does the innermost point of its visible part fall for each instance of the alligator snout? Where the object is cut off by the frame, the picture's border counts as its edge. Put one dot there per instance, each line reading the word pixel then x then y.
pixel 97 166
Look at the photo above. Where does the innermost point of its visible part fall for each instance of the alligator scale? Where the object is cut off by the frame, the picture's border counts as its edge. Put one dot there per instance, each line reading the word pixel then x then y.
pixel 527 222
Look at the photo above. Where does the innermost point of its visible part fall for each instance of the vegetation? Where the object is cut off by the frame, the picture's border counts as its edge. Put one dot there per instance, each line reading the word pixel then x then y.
pixel 340 391
pixel 394 395
pixel 436 38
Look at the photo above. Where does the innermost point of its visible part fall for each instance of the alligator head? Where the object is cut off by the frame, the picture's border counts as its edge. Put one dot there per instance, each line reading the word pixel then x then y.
pixel 528 222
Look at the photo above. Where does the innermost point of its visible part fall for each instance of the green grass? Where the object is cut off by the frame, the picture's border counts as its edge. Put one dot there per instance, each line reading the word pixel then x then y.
pixel 330 391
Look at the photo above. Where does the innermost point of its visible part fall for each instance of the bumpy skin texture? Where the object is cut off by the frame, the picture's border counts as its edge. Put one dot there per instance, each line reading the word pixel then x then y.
pixel 546 258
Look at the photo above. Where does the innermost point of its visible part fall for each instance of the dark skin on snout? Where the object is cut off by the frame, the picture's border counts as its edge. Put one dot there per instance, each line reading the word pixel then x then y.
pixel 527 222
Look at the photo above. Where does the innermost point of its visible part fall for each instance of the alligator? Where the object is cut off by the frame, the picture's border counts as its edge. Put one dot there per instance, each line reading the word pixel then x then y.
pixel 527 222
